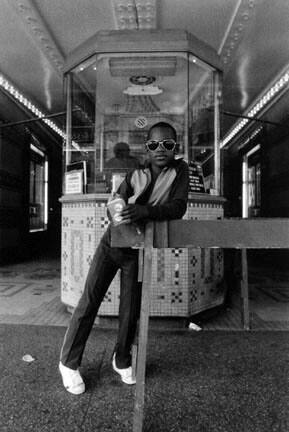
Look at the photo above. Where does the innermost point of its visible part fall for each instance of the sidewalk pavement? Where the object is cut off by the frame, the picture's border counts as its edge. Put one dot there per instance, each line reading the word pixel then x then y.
pixel 196 382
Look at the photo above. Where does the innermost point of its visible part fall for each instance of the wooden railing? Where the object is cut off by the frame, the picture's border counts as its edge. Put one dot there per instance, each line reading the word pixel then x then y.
pixel 226 233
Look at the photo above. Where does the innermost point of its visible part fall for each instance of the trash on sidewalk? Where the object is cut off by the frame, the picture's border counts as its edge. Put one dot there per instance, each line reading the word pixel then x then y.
pixel 193 326
pixel 28 358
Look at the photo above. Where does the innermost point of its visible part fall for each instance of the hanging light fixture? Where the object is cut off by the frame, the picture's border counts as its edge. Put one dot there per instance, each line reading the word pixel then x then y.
pixel 142 85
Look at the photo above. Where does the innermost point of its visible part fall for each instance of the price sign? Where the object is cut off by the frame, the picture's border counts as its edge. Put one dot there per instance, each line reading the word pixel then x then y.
pixel 196 178
pixel 74 182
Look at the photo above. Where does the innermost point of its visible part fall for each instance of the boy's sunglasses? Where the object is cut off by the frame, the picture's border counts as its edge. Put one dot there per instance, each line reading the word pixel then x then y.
pixel 167 144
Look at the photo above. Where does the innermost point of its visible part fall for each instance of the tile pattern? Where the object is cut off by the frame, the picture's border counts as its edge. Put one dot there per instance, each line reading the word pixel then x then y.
pixel 30 294
pixel 51 313
pixel 184 281
pixel 39 304
pixel 11 289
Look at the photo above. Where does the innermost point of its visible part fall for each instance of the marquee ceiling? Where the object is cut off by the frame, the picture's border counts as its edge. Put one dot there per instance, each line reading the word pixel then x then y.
pixel 36 36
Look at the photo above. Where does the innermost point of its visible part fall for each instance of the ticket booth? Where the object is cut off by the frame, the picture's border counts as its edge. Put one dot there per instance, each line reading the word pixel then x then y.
pixel 118 84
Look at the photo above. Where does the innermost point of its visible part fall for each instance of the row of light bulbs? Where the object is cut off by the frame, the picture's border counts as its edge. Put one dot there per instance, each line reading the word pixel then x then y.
pixel 257 107
pixel 251 136
pixel 7 86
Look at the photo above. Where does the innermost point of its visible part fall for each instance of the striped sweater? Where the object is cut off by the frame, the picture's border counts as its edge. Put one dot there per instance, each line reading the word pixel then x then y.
pixel 166 198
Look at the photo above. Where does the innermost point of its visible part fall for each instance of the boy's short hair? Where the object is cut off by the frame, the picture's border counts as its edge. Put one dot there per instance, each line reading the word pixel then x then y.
pixel 163 125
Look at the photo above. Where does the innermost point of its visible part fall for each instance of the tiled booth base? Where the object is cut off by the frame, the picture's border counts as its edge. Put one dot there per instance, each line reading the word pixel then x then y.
pixel 184 281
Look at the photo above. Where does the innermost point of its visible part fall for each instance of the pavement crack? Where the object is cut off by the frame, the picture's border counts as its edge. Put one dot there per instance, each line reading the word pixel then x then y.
pixel 98 368
pixel 81 426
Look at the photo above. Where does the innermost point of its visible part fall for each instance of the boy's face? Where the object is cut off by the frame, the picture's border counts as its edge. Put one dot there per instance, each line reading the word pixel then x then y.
pixel 161 157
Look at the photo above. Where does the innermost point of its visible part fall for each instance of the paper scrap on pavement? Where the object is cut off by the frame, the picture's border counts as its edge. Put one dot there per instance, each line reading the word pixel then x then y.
pixel 193 326
pixel 28 358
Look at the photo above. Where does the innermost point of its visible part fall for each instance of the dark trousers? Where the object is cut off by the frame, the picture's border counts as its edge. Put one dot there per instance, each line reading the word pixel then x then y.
pixel 105 263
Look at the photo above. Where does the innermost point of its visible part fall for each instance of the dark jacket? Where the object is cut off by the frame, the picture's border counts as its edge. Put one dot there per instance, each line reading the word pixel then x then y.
pixel 176 205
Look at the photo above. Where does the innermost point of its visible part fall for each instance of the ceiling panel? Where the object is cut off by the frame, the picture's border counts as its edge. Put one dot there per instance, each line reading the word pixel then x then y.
pixel 263 54
pixel 206 19
pixel 23 62
pixel 74 21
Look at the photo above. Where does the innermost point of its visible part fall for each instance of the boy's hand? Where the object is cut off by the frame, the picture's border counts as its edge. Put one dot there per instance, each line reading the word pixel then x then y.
pixel 133 212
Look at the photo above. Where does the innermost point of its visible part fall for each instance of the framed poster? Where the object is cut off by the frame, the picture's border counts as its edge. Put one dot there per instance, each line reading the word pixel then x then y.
pixel 74 182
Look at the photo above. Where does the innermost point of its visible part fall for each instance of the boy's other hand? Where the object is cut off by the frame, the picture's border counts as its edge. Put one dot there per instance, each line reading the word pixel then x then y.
pixel 134 212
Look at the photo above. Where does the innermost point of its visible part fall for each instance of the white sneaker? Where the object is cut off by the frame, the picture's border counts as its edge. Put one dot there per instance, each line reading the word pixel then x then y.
pixel 72 380
pixel 125 374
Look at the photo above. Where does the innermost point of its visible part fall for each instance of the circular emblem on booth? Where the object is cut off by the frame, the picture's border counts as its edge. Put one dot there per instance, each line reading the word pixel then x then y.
pixel 141 122
pixel 142 80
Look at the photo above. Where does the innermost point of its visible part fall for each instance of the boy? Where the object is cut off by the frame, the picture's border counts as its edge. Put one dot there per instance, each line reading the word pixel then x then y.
pixel 157 192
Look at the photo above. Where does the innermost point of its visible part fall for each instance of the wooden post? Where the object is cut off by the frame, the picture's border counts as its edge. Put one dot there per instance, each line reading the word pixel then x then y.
pixel 143 331
pixel 161 235
pixel 134 347
pixel 140 265
pixel 245 291
pixel 134 356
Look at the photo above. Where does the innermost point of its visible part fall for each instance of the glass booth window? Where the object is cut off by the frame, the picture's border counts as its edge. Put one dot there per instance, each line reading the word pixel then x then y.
pixel 254 185
pixel 113 100
pixel 203 106
pixel 38 188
